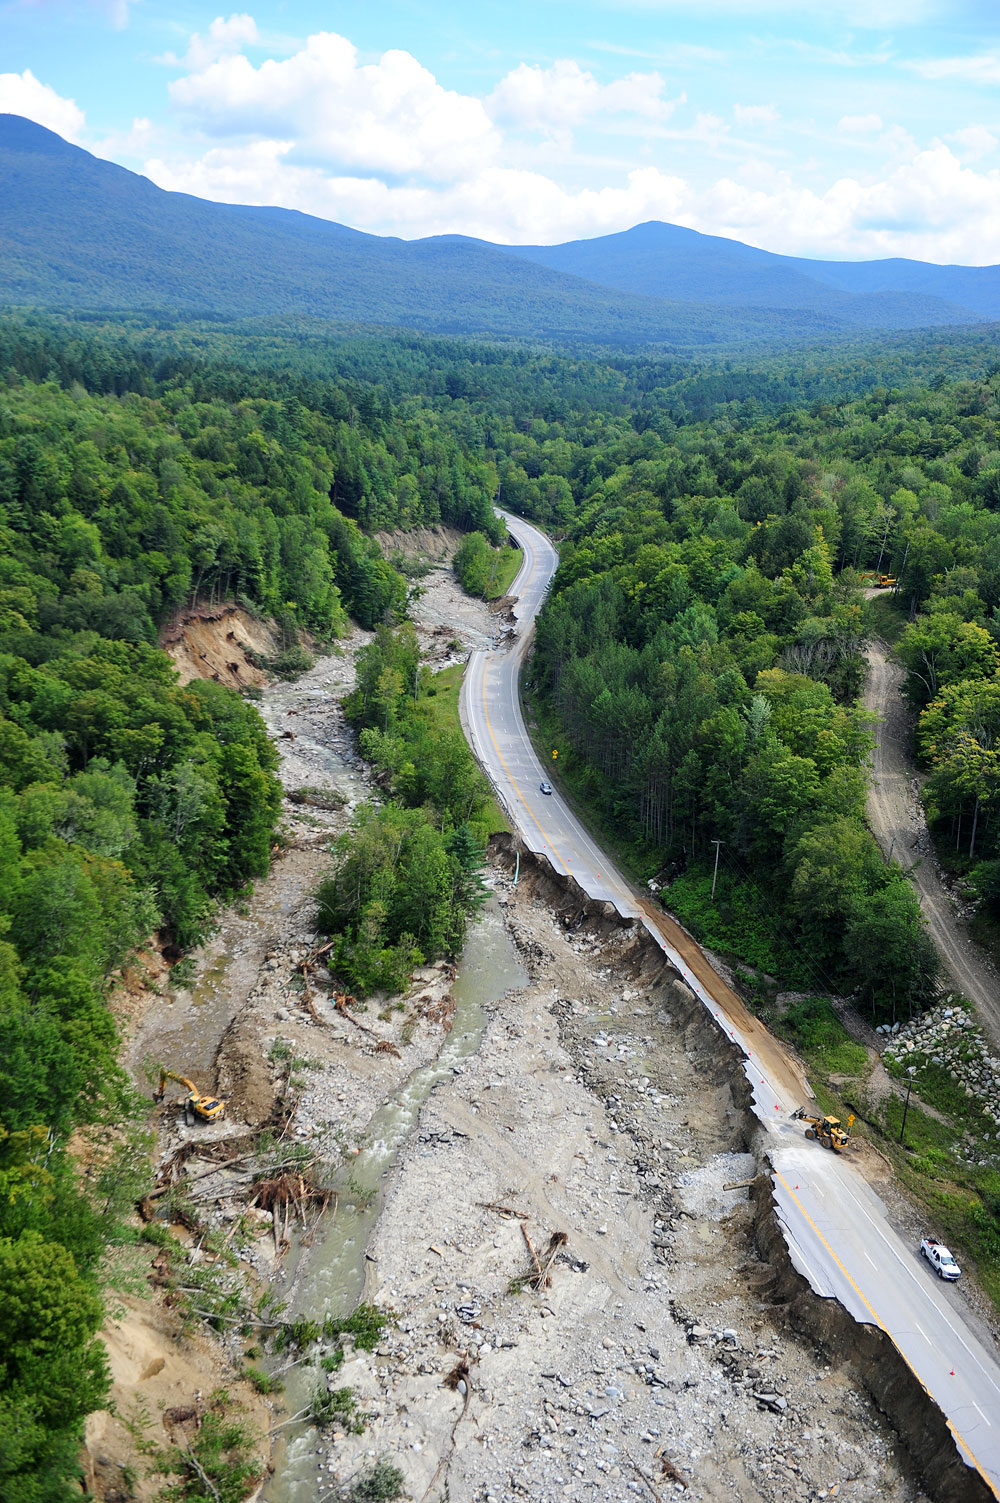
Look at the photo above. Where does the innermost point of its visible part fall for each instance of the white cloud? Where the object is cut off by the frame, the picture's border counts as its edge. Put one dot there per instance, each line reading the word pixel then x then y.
pixel 565 94
pixel 224 36
pixel 931 207
pixel 134 142
pixel 500 203
pixel 859 125
pixel 973 142
pixel 709 129
pixel 755 114
pixel 23 94
pixel 982 69
pixel 391 116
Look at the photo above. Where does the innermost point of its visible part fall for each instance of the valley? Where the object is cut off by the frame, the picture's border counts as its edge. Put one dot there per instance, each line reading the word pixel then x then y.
pixel 662 1349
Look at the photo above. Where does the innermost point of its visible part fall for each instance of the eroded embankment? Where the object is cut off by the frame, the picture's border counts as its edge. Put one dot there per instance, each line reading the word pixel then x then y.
pixel 880 1368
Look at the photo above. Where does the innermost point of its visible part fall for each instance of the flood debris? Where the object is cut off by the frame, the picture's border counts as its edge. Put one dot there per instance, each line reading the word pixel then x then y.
pixel 539 1276
pixel 594 1093
pixel 508 1211
pixel 287 1194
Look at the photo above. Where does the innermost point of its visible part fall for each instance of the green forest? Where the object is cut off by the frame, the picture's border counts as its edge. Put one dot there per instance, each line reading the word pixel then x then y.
pixel 703 654
pixel 700 660
pixel 128 804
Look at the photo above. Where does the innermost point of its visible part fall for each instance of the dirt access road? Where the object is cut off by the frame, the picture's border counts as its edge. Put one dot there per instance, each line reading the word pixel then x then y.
pixel 897 820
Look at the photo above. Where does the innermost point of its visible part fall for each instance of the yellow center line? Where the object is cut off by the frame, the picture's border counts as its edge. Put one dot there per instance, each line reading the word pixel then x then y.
pixel 507 770
pixel 868 1306
pixel 616 886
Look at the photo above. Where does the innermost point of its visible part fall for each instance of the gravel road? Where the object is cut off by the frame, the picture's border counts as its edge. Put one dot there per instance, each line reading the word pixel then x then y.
pixel 897 819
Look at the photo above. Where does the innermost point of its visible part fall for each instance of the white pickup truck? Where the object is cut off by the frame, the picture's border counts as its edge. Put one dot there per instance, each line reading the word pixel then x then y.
pixel 940 1259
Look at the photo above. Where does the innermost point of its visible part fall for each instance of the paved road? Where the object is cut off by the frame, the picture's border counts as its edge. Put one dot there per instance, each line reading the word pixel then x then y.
pixel 837 1228
pixel 897 821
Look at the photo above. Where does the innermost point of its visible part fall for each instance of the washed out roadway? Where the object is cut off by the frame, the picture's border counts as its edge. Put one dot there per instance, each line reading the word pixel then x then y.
pixel 836 1227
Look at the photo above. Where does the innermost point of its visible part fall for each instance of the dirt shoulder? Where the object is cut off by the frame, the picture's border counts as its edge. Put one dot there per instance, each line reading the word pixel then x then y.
pixel 897 820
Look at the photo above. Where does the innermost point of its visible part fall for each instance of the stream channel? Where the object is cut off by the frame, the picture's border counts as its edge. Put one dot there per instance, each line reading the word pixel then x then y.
pixel 331 1275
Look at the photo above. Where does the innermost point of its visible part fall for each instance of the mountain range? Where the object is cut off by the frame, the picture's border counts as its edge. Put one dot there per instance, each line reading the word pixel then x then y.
pixel 80 233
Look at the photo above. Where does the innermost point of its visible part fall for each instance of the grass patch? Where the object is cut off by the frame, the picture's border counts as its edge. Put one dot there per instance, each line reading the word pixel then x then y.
pixel 441 705
pixel 738 921
pixel 365 1324
pixel 961 1198
pixel 338 1407
pixel 380 1483
pixel 263 1382
pixel 822 1040
pixel 888 616
pixel 509 562
pixel 220 1462
pixel 936 1088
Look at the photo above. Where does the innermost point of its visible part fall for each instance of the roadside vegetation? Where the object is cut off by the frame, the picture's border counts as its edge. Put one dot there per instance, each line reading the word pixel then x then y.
pixel 484 570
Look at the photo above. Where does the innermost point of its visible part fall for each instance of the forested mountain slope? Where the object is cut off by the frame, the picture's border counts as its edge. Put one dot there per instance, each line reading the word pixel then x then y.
pixel 666 260
pixel 129 803
pixel 702 653
pixel 82 233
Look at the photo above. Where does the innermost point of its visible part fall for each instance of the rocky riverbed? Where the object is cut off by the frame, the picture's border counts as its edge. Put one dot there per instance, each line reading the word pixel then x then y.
pixel 649 1360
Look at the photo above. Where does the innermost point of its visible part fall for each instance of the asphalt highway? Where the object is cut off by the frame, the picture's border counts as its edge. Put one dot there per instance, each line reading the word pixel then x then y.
pixel 837 1229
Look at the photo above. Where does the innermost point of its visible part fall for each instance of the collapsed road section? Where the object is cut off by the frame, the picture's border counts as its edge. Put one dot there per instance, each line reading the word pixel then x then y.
pixel 835 1227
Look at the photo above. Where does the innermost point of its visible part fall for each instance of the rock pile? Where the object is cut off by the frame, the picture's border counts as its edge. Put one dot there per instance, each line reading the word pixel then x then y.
pixel 947 1036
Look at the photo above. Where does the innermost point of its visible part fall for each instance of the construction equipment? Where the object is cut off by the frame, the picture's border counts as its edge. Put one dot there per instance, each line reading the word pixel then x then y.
pixel 208 1108
pixel 827 1130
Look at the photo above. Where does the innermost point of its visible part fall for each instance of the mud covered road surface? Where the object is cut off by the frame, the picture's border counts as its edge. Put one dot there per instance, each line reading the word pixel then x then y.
pixel 897 820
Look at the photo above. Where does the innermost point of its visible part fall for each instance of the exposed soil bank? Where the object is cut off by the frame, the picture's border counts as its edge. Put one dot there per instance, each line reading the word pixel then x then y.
pixel 223 642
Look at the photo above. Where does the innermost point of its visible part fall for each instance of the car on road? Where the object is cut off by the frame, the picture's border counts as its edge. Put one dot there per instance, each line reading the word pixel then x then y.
pixel 545 787
pixel 940 1259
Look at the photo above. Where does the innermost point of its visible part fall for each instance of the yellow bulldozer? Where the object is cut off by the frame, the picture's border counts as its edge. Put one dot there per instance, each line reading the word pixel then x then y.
pixel 207 1108
pixel 826 1130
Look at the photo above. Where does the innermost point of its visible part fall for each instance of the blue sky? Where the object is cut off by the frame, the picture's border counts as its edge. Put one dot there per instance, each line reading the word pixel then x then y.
pixel 847 129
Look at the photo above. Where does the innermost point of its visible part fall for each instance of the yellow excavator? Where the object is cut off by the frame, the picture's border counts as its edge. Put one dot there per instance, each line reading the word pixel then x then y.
pixel 208 1108
pixel 826 1130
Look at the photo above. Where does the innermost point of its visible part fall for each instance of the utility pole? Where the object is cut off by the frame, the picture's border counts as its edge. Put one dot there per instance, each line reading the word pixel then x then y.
pixel 717 844
pixel 906 1104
